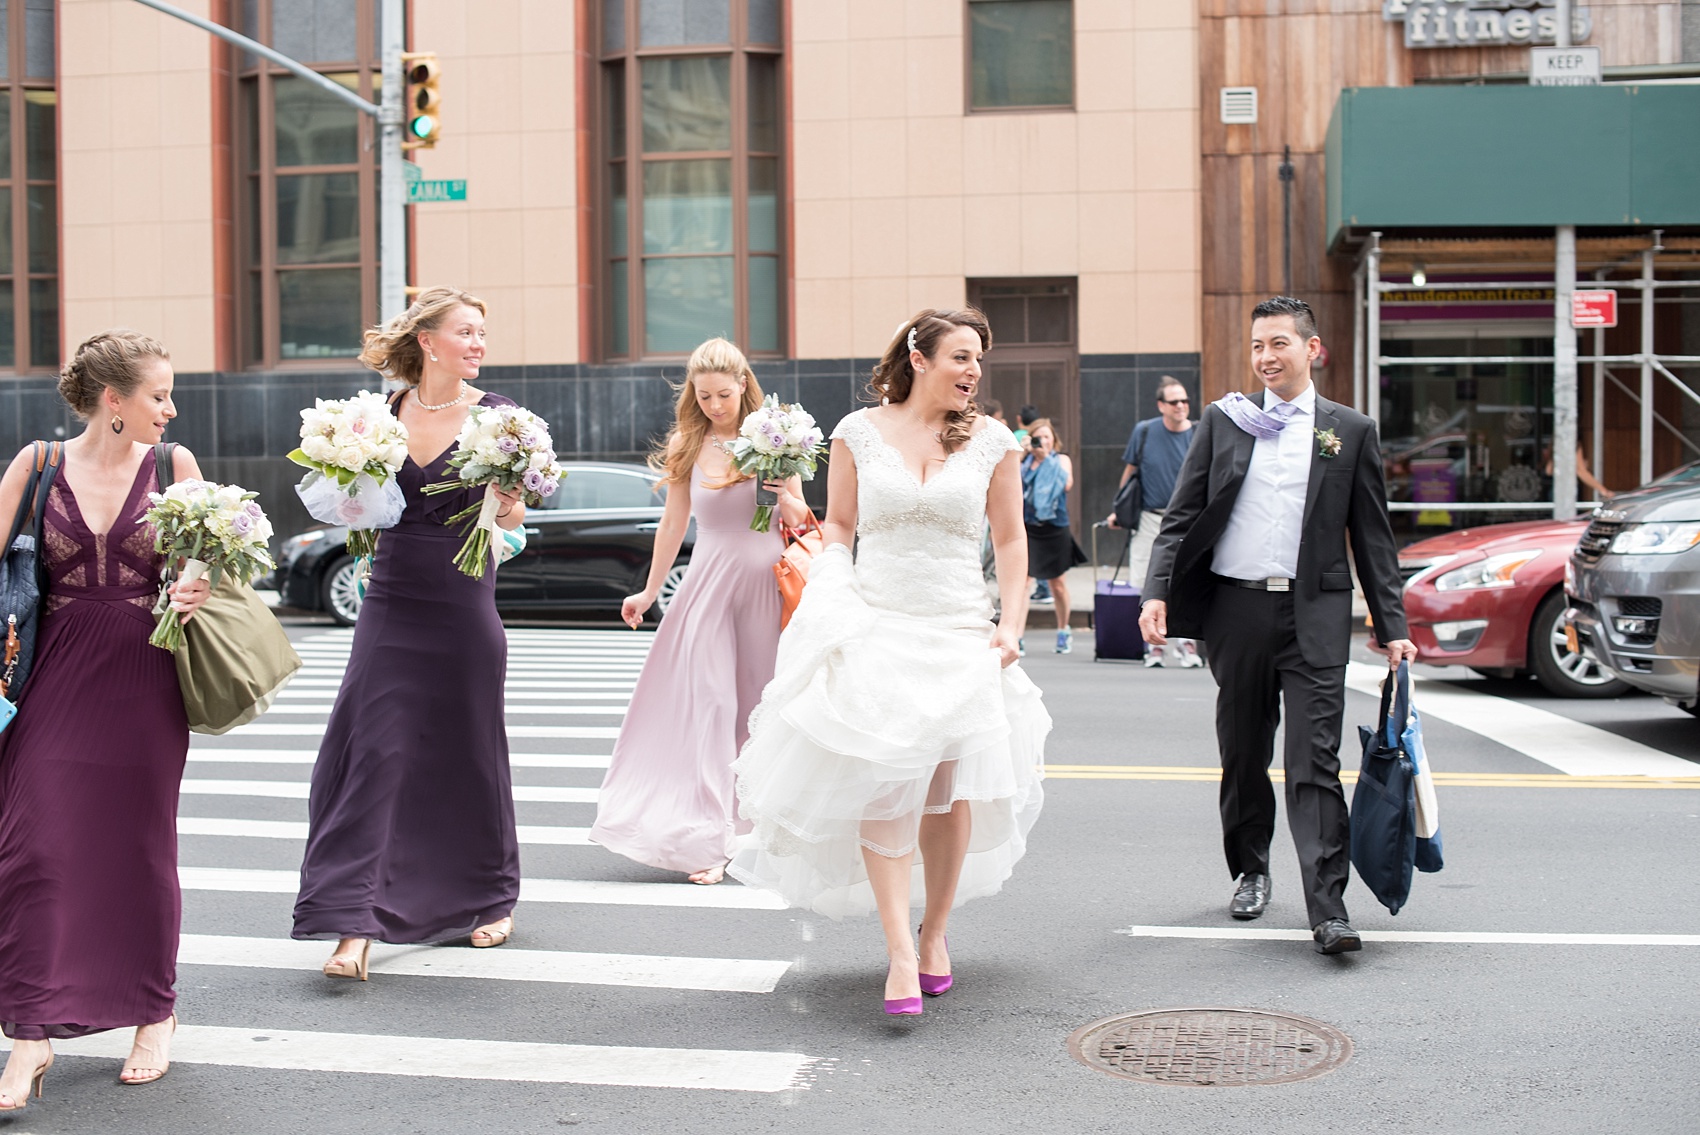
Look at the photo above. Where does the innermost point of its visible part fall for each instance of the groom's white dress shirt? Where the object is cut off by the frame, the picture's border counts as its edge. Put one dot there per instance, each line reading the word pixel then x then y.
pixel 1261 540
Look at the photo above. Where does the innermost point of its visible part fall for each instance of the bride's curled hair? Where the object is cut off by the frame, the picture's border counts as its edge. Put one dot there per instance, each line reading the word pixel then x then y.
pixel 393 349
pixel 894 374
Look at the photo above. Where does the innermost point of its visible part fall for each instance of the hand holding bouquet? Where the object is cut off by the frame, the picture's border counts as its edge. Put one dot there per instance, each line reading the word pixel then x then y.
pixel 503 448
pixel 215 529
pixel 354 448
pixel 775 443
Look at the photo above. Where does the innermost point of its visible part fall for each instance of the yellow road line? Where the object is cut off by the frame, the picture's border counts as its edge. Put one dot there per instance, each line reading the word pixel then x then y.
pixel 1449 779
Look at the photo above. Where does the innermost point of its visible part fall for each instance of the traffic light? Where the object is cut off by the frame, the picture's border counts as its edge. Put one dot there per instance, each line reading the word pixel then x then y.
pixel 423 124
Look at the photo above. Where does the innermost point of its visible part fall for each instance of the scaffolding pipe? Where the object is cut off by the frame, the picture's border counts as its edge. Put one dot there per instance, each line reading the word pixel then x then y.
pixel 1646 366
pixel 1358 347
pixel 1597 449
pixel 1372 301
pixel 1564 366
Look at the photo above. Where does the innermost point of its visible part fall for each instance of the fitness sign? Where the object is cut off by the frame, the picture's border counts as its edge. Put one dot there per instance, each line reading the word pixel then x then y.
pixel 1483 23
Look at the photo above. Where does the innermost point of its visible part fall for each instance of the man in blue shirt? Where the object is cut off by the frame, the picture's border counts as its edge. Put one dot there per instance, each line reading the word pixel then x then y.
pixel 1155 451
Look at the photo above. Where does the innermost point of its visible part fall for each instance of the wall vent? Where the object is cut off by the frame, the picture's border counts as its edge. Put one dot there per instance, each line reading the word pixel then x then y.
pixel 1239 106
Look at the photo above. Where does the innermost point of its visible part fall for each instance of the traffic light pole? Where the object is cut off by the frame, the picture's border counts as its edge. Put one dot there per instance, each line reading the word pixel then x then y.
pixel 392 207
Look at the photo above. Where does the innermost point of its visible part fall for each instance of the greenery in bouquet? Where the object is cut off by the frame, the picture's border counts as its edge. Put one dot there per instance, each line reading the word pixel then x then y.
pixel 776 442
pixel 215 530
pixel 499 447
pixel 353 448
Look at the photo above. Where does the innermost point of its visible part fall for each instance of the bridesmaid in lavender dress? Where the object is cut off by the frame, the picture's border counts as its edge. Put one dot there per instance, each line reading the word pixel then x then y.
pixel 667 800
pixel 88 800
pixel 410 821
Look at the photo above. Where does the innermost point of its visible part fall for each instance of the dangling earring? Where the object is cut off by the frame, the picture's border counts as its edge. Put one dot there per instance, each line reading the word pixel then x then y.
pixel 117 424
pixel 433 357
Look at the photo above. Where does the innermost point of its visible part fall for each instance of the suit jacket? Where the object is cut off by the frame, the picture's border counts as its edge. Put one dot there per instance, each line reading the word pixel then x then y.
pixel 1348 493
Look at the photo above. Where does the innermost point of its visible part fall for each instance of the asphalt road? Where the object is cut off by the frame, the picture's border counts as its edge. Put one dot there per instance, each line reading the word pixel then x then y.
pixel 1497 1035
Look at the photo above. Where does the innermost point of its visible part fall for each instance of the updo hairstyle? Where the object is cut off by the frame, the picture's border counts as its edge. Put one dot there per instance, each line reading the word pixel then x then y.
pixel 111 360
pixel 393 349
pixel 894 374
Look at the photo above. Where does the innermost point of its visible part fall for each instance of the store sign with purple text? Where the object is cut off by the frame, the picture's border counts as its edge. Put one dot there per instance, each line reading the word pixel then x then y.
pixel 1483 23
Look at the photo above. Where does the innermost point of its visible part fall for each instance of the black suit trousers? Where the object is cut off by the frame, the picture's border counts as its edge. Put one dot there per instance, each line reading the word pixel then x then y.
pixel 1256 661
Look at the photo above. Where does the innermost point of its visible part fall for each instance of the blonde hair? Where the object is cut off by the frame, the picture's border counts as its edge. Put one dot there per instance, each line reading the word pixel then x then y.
pixel 111 360
pixel 393 349
pixel 1056 438
pixel 894 374
pixel 677 454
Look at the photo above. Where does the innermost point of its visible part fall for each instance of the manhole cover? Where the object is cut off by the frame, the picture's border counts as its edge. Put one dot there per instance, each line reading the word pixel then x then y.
pixel 1211 1047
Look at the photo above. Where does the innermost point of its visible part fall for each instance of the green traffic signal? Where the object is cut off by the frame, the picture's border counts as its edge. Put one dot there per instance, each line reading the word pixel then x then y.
pixel 422 126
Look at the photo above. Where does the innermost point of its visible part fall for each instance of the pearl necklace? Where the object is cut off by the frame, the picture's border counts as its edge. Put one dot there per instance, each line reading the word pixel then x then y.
pixel 441 405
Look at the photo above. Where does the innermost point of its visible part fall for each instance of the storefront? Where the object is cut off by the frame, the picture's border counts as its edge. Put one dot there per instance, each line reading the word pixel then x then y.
pixel 1450 202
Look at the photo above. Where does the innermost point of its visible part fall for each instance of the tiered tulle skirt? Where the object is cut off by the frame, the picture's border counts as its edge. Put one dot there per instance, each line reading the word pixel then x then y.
pixel 874 719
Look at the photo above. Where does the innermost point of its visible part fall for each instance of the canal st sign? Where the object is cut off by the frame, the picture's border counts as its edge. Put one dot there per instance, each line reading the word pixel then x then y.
pixel 1478 23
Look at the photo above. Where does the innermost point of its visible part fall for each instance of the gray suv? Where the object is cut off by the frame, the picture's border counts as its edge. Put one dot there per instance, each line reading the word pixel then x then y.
pixel 1633 584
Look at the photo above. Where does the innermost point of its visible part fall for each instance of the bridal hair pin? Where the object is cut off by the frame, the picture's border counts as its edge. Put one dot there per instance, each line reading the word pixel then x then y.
pixel 912 338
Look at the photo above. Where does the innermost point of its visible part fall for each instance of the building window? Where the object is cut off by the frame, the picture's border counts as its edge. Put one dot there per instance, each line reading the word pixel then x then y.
pixel 307 183
pixel 1020 54
pixel 692 130
pixel 29 190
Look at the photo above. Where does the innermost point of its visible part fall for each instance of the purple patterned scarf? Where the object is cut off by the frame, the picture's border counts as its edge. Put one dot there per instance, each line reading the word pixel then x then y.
pixel 1249 416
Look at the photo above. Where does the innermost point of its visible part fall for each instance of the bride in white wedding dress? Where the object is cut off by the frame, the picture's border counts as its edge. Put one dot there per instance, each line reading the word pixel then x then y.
pixel 895 759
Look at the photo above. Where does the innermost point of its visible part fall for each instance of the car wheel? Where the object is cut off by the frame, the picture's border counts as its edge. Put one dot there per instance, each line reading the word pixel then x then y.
pixel 669 588
pixel 1559 669
pixel 338 593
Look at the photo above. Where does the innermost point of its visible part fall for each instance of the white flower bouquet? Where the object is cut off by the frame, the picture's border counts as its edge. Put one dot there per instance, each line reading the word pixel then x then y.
pixel 354 447
pixel 503 447
pixel 776 442
pixel 215 529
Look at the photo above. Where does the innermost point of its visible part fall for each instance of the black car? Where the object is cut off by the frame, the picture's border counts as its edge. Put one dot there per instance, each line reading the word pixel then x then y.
pixel 586 549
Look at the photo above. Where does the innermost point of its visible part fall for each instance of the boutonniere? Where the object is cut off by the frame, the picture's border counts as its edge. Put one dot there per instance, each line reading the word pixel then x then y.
pixel 1327 443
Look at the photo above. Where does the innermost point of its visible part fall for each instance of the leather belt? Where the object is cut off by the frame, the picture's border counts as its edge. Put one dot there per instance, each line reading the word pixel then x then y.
pixel 1273 583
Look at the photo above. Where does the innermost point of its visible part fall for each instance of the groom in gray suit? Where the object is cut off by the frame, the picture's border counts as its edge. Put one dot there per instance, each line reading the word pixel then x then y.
pixel 1251 558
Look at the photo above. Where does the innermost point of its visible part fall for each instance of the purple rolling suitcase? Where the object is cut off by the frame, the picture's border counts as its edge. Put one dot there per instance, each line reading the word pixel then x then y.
pixel 1115 612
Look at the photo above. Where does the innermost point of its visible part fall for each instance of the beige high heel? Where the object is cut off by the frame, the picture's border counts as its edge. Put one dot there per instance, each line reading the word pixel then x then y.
pixel 36 1082
pixel 341 965
pixel 158 1073
pixel 492 934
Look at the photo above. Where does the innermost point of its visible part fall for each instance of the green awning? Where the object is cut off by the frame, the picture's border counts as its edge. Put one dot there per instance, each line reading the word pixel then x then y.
pixel 1509 156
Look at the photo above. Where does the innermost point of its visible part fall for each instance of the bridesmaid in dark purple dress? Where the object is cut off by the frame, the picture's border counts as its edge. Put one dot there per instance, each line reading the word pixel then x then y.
pixel 88 801
pixel 411 818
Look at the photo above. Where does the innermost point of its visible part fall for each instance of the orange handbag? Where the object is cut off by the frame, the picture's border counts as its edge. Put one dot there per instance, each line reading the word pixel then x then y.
pixel 802 545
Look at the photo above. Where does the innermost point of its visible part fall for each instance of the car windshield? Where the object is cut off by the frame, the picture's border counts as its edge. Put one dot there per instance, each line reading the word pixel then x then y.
pixel 605 488
pixel 1681 475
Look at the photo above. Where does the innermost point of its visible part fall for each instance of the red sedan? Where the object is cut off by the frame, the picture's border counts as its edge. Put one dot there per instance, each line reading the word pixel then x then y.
pixel 1492 599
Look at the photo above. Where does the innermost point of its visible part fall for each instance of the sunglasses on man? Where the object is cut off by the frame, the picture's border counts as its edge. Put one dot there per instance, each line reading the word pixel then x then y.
pixel 1174 401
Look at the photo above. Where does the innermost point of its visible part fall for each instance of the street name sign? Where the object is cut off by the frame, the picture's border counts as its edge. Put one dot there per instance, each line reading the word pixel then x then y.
pixel 1595 308
pixel 410 171
pixel 425 192
pixel 1564 66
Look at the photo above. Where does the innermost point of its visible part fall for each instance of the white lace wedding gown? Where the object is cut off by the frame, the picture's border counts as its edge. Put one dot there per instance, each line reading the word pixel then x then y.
pixel 888 701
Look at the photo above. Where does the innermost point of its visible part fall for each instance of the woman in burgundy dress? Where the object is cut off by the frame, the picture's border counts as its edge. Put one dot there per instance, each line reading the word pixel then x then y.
pixel 88 801
pixel 410 832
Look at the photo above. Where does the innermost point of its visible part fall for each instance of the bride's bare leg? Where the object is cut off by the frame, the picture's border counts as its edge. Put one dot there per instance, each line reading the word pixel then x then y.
pixel 889 877
pixel 944 844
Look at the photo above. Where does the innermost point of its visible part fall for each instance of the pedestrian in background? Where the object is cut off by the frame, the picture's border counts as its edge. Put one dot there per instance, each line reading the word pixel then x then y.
pixel 1252 559
pixel 668 800
pixel 1024 419
pixel 410 820
pixel 1047 475
pixel 90 769
pixel 1154 453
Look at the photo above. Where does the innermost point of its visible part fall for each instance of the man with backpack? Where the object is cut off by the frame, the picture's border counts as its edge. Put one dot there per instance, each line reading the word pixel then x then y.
pixel 1154 454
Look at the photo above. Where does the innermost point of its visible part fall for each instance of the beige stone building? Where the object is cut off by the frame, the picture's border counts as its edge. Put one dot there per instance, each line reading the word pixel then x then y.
pixel 799 175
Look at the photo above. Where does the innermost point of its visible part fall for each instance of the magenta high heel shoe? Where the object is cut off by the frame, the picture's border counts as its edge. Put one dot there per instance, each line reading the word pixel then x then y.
pixel 903 1007
pixel 933 984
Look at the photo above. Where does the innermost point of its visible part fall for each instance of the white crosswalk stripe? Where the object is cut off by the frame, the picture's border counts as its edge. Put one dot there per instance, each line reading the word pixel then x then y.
pixel 553 678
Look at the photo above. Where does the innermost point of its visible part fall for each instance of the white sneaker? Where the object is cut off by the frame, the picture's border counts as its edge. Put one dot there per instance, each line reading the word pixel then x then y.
pixel 1154 658
pixel 1189 657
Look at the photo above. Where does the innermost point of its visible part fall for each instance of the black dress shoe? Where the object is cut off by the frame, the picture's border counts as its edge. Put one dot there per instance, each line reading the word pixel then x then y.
pixel 1336 936
pixel 1251 897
